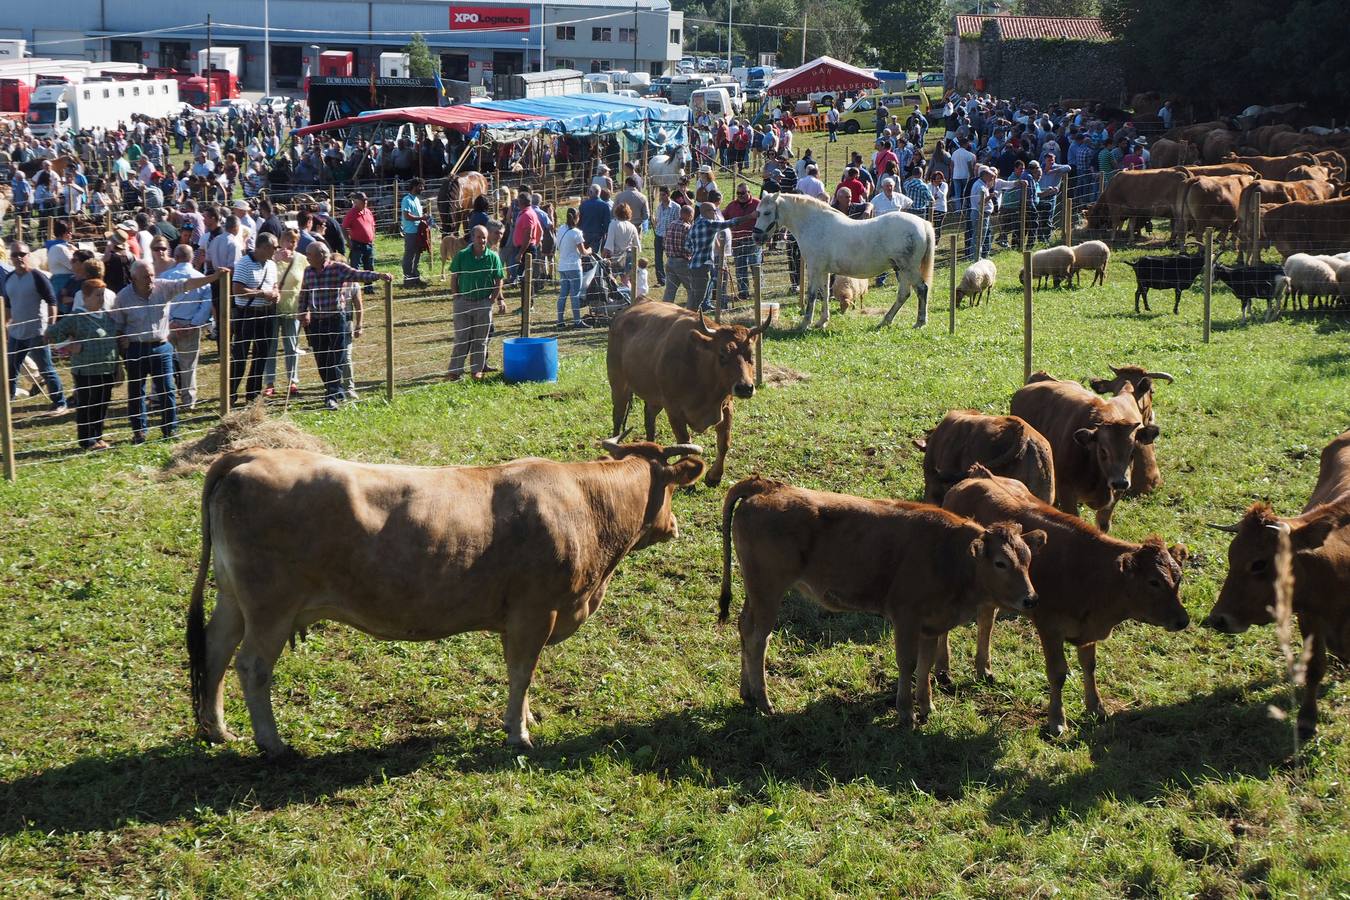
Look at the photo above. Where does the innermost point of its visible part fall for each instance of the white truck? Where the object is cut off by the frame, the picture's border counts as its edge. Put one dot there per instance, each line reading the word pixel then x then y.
pixel 225 59
pixel 12 49
pixel 56 109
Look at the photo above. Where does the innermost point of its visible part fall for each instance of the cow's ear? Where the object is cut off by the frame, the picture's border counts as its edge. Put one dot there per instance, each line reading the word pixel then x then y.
pixel 687 470
pixel 698 336
pixel 977 547
pixel 1035 540
pixel 1085 437
pixel 1179 552
pixel 1146 434
pixel 921 445
pixel 1103 385
pixel 1314 534
pixel 1144 385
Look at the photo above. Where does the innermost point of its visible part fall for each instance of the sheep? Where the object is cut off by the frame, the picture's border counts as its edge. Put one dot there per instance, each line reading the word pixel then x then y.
pixel 1309 275
pixel 1342 269
pixel 1055 263
pixel 1093 256
pixel 849 291
pixel 978 279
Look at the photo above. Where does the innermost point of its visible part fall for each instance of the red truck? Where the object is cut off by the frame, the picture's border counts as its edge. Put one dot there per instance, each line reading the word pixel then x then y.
pixel 196 90
pixel 14 94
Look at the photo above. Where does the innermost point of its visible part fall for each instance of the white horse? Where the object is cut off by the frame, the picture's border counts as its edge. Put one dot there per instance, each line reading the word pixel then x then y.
pixel 833 244
pixel 665 170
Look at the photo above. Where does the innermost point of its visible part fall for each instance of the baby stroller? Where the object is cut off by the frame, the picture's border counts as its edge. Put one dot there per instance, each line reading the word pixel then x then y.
pixel 605 297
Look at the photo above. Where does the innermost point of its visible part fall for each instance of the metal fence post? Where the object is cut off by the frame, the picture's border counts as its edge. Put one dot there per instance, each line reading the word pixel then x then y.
pixel 1209 276
pixel 1026 317
pixel 1022 224
pixel 979 232
pixel 398 222
pixel 1256 228
pixel 223 345
pixel 6 413
pixel 389 340
pixel 759 323
pixel 951 313
pixel 1068 215
pixel 526 293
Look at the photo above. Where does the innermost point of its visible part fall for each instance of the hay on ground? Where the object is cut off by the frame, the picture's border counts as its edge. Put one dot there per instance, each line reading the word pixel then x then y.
pixel 775 375
pixel 241 429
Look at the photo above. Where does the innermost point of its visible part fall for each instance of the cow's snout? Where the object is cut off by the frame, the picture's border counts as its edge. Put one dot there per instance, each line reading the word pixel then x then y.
pixel 1180 623
pixel 1030 601
pixel 744 390
pixel 1120 484
pixel 1220 622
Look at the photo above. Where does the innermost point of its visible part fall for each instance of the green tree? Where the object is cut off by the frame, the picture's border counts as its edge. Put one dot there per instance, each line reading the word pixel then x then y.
pixel 420 62
pixel 906 33
pixel 1078 8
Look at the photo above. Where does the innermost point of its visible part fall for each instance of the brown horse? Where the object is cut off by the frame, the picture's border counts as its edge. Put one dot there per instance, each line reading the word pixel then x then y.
pixel 455 199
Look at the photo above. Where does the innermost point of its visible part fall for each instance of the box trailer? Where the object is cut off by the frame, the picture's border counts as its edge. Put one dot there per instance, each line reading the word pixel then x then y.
pixel 395 65
pixel 337 63
pixel 553 83
pixel 222 58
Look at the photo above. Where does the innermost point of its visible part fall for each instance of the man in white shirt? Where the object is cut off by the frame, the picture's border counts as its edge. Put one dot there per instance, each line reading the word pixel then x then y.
pixel 811 185
pixel 832 123
pixel 963 170
pixel 888 201
pixel 986 194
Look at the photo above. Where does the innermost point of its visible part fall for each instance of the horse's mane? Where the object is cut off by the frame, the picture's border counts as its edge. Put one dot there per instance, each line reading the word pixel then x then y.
pixel 805 200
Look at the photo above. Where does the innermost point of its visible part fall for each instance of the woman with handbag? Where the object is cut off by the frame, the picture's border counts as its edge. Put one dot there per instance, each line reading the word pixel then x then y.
pixel 291 268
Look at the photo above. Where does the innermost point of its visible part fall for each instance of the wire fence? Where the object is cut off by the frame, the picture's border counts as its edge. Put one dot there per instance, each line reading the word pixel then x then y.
pixel 405 338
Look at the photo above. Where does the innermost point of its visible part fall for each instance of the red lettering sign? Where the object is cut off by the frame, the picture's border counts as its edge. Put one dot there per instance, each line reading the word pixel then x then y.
pixel 489 18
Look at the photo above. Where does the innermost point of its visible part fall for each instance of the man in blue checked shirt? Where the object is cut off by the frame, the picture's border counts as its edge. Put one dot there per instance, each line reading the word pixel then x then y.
pixel 188 315
pixel 702 235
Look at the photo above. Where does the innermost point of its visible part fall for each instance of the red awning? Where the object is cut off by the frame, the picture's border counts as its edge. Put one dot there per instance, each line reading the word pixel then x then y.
pixel 822 74
pixel 463 118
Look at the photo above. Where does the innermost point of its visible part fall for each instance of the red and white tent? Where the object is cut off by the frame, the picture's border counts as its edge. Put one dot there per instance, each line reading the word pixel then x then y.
pixel 822 74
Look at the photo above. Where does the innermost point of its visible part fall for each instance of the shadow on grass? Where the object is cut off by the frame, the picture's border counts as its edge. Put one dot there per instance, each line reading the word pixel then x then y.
pixel 808 622
pixel 1330 364
pixel 1136 755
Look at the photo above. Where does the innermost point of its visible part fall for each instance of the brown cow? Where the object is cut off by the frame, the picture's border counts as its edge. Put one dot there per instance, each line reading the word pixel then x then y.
pixel 1163 154
pixel 1094 440
pixel 1134 195
pixel 1308 173
pixel 1274 168
pixel 674 360
pixel 922 568
pixel 1088 583
pixel 1003 444
pixel 1306 226
pixel 1318 548
pixel 1144 473
pixel 1275 193
pixel 1210 201
pixel 1260 136
pixel 1218 144
pixel 525 549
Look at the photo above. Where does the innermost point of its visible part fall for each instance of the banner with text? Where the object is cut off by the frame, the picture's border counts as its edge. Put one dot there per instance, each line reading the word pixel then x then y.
pixel 489 18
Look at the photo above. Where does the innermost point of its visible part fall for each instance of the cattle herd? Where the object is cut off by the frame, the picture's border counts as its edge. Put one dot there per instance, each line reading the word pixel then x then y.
pixel 526 549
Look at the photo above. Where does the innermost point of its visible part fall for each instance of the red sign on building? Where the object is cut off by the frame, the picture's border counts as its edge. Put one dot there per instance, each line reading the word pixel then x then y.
pixel 489 18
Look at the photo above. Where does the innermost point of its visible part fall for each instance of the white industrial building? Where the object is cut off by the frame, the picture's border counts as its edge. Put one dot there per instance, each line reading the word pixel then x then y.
pixel 474 40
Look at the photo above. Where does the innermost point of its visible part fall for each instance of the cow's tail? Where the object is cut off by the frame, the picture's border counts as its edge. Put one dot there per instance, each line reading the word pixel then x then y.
pixel 747 487
pixel 196 620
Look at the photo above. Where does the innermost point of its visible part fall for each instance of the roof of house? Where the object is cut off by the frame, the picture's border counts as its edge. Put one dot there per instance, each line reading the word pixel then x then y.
pixel 1014 27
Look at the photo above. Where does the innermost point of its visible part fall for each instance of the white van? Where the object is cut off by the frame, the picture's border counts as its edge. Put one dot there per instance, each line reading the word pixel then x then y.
pixel 715 100
pixel 597 83
pixel 735 91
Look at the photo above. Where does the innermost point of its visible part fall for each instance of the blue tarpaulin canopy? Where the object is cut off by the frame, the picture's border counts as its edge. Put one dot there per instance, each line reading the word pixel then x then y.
pixel 588 114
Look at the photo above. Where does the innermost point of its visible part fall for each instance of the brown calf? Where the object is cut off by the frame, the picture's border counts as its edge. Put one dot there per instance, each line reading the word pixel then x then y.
pixel 1144 473
pixel 1005 445
pixel 922 568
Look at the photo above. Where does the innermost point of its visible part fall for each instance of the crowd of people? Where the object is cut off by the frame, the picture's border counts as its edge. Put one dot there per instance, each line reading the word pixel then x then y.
pixel 147 301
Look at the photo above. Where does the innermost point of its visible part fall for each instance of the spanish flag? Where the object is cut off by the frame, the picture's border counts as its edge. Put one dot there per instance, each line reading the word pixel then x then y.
pixel 440 88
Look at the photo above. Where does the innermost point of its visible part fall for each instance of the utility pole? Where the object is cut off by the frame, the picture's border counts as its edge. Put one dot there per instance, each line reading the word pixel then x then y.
pixel 729 6
pixel 635 36
pixel 267 49
pixel 804 10
pixel 206 69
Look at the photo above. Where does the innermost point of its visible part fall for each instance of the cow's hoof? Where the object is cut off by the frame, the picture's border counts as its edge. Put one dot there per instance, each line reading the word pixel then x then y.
pixel 1306 730
pixel 712 480
pixel 1097 714
pixel 521 741
pixel 1056 730
pixel 988 677
pixel 943 678
pixel 283 754
pixel 216 736
pixel 920 323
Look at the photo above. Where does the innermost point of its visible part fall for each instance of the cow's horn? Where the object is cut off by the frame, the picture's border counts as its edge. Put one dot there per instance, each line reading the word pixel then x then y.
pixel 703 325
pixel 764 326
pixel 1231 529
pixel 1282 527
pixel 681 450
pixel 613 444
pixel 1163 376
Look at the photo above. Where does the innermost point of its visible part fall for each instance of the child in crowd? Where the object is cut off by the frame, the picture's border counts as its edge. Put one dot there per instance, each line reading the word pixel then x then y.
pixel 92 346
pixel 640 293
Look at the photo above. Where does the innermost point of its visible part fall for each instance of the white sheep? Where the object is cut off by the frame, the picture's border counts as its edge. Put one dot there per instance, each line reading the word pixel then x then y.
pixel 849 291
pixel 1341 266
pixel 977 280
pixel 1093 256
pixel 1311 276
pixel 1055 263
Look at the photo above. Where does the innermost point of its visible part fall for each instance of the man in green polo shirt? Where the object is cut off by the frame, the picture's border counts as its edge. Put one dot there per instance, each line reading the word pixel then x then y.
pixel 476 276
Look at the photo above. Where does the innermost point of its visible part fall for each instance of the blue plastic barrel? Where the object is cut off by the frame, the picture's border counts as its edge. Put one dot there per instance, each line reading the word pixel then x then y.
pixel 530 359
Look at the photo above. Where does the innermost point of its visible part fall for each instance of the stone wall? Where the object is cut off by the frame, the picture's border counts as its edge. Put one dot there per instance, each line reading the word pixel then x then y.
pixel 1043 70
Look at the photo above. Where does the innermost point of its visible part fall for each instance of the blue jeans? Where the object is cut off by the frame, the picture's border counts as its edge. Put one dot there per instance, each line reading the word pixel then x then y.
pixel 154 361
pixel 362 256
pixel 570 283
pixel 978 249
pixel 328 337
pixel 747 257
pixel 42 357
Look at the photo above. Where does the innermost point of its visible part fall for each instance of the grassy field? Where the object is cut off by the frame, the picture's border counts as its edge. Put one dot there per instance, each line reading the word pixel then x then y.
pixel 650 778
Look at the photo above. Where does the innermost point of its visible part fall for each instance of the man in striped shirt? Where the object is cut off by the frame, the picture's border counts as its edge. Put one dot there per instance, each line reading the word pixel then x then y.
pixel 323 313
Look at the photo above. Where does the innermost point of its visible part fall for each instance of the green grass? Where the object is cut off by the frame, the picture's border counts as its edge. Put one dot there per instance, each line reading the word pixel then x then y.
pixel 650 779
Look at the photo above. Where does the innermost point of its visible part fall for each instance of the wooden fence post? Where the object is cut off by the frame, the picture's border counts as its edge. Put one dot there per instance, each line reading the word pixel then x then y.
pixel 6 413
pixel 526 293
pixel 51 227
pixel 979 232
pixel 223 345
pixel 951 312
pixel 1068 215
pixel 1026 317
pixel 759 323
pixel 1256 228
pixel 389 340
pixel 1209 275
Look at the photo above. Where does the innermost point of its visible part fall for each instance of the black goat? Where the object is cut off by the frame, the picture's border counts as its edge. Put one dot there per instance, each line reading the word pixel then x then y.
pixel 1249 282
pixel 1175 272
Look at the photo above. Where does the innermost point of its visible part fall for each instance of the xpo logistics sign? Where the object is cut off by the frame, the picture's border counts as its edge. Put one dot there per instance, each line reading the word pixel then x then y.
pixel 489 18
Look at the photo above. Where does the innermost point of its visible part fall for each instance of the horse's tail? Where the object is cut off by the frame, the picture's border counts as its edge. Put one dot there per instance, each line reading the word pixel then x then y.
pixel 929 251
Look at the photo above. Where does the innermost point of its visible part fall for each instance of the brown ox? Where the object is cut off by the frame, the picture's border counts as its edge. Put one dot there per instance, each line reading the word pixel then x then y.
pixel 525 549
pixel 922 568
pixel 1144 473
pixel 1306 226
pixel 1260 136
pixel 1163 154
pixel 1211 201
pixel 1088 583
pixel 1290 142
pixel 1093 439
pixel 1308 173
pixel 1134 195
pixel 1005 445
pixel 1275 193
pixel 1318 551
pixel 674 360
pixel 1334 160
pixel 1274 168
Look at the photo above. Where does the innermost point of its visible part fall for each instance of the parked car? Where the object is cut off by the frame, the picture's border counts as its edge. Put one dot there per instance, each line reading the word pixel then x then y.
pixel 238 104
pixel 931 80
pixel 272 104
pixel 862 114
pixel 686 65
